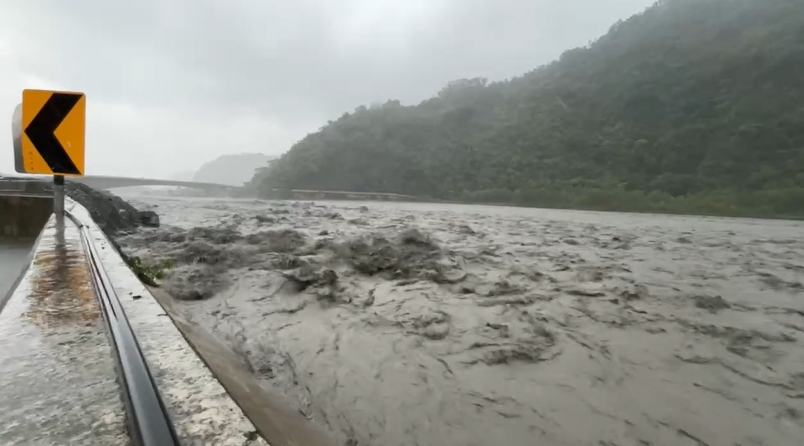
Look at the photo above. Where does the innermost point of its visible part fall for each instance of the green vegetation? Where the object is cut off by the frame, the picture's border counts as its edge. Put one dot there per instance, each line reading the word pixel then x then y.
pixel 149 274
pixel 694 106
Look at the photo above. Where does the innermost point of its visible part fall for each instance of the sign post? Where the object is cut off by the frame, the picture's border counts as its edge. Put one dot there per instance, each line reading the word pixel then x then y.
pixel 49 130
pixel 58 199
pixel 16 134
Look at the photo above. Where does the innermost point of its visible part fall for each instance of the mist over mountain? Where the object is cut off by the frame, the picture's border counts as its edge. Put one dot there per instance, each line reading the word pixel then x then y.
pixel 186 175
pixel 690 106
pixel 231 169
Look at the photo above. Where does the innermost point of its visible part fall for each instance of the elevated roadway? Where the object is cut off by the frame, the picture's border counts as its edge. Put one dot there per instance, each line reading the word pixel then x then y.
pixel 111 182
pixel 9 183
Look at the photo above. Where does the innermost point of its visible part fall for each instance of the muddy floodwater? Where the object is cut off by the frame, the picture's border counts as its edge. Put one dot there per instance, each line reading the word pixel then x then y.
pixel 421 324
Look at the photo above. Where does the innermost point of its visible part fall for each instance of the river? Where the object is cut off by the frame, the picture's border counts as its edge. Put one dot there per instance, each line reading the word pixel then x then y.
pixel 430 324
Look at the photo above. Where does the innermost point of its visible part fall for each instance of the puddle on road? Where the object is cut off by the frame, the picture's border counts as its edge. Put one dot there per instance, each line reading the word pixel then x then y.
pixel 60 285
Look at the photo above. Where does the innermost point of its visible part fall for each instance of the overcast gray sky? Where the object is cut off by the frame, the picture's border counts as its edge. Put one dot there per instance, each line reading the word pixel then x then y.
pixel 172 84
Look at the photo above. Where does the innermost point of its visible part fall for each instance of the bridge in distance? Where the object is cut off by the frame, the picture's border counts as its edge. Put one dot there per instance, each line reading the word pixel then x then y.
pixel 39 185
pixel 113 182
pixel 110 182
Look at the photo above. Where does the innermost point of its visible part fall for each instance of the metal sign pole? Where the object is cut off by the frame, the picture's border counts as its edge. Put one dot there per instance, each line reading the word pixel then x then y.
pixel 58 200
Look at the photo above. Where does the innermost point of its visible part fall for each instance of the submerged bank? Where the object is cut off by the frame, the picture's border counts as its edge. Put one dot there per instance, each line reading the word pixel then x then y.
pixel 403 324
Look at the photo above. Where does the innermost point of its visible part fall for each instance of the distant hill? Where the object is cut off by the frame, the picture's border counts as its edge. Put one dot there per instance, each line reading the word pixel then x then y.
pixel 231 169
pixel 691 106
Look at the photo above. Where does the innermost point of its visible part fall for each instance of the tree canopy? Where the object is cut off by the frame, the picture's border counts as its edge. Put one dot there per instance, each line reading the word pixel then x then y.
pixel 690 106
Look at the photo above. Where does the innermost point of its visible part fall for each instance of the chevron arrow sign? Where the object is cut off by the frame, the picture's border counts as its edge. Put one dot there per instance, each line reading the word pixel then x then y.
pixel 53 135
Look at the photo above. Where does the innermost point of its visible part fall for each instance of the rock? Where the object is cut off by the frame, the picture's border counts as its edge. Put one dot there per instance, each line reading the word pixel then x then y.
pixel 149 219
pixel 712 304
pixel 195 282
pixel 307 276
pixel 466 230
pixel 265 219
pixel 110 212
pixel 637 292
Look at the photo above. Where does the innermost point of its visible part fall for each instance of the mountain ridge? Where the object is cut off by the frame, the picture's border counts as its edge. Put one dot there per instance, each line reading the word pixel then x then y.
pixel 231 169
pixel 690 106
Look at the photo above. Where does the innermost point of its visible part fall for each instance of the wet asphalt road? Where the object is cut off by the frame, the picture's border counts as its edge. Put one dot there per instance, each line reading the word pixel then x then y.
pixel 58 381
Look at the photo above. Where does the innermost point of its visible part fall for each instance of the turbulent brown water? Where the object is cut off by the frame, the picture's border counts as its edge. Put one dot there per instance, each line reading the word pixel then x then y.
pixel 420 324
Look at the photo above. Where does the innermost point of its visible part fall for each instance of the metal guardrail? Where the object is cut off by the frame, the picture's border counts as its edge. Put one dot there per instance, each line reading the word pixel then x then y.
pixel 23 193
pixel 26 186
pixel 148 419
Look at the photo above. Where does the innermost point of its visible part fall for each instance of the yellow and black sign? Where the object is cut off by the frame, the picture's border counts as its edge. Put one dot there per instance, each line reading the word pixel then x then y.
pixel 53 126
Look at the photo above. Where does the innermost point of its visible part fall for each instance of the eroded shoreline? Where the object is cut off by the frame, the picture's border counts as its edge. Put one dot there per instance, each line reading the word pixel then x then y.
pixel 427 324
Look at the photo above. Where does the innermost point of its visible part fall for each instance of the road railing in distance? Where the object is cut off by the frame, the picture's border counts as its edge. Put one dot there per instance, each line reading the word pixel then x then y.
pixel 149 422
pixel 5 193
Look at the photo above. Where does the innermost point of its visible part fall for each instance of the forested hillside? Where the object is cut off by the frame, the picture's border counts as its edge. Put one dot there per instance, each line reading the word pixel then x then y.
pixel 691 106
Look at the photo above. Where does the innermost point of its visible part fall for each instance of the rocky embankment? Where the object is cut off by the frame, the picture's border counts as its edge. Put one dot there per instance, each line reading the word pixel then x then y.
pixel 401 324
pixel 113 214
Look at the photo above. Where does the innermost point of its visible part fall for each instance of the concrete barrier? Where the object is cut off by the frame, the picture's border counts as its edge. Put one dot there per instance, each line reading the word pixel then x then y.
pixel 24 215
pixel 59 384
pixel 202 411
